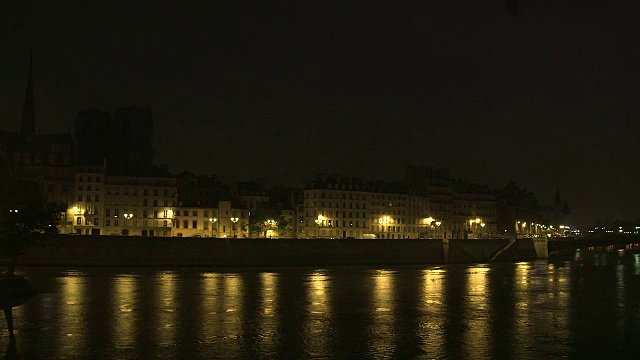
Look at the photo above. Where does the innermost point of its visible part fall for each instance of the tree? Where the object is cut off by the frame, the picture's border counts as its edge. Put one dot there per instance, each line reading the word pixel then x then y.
pixel 24 217
pixel 266 217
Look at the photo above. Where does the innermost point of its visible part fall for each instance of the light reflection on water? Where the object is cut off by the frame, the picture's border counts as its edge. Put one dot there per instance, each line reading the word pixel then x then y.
pixel 520 310
pixel 319 316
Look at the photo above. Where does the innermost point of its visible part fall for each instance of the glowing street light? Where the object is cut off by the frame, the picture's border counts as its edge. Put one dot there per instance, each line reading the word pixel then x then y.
pixel 213 220
pixel 234 220
pixel 127 216
pixel 270 223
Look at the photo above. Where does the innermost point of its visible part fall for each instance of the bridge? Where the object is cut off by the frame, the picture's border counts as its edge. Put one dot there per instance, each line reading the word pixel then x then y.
pixel 598 242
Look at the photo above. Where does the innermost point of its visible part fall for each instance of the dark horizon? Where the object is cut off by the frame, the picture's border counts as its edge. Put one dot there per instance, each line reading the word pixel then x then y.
pixel 547 98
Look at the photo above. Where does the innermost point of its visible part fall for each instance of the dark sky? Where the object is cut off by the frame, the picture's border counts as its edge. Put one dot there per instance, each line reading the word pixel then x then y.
pixel 548 98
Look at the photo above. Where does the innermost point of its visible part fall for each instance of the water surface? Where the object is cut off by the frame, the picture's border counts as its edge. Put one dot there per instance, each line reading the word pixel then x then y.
pixel 583 308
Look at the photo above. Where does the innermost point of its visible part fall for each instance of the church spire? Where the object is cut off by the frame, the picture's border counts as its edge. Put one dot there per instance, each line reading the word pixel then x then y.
pixel 28 123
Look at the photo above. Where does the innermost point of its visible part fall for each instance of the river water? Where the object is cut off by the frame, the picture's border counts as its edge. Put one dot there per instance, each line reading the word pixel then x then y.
pixel 585 307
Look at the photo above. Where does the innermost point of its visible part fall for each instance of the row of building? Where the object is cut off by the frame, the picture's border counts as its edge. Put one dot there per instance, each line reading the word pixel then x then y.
pixel 104 176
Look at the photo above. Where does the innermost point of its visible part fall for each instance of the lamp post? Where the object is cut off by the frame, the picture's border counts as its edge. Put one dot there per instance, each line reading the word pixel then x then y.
pixel 429 222
pixel 127 217
pixel 438 223
pixel 318 222
pixel 213 220
pixel 482 225
pixel 234 220
pixel 382 221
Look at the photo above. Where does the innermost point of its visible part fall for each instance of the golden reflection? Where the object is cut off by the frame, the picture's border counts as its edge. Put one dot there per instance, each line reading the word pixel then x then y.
pixel 522 331
pixel 126 319
pixel 477 310
pixel 210 294
pixel 269 319
pixel 230 312
pixel 433 312
pixel 72 317
pixel 383 316
pixel 166 308
pixel 318 321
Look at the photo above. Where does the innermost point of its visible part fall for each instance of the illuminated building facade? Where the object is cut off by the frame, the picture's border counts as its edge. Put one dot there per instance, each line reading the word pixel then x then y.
pixel 122 205
pixel 426 205
pixel 223 221
pixel 474 211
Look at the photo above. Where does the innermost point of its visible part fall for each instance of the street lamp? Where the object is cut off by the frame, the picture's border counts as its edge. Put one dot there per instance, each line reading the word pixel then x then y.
pixel 128 217
pixel 234 220
pixel 483 225
pixel 269 223
pixel 318 222
pixel 384 220
pixel 438 223
pixel 212 220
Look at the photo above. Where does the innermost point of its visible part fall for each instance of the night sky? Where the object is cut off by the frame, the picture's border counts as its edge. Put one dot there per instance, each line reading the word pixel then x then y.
pixel 548 98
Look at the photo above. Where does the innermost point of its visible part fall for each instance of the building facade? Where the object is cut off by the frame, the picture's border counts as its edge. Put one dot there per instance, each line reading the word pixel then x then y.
pixel 121 205
pixel 223 221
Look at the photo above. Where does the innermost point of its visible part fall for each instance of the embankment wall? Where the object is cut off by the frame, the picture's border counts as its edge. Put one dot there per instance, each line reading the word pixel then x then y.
pixel 158 251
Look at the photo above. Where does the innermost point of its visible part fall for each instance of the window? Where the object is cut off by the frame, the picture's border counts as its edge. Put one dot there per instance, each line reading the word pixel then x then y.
pixel 194 213
pixel 81 178
pixel 166 192
pixel 166 213
pixel 97 178
pixel 88 197
pixel 108 212
pixel 97 198
pixel 185 224
pixel 89 178
pixel 155 214
pixel 205 225
pixel 107 222
pixel 145 214
pixel 80 197
pixel 65 188
pixel 96 221
pixel 144 202
pixel 115 222
pixel 80 187
pixel 165 203
pixel 155 192
pixel 49 187
pixel 224 229
pixel 115 213
pixel 88 187
pixel 145 192
pixel 194 224
pixel 78 221
pixel 185 213
pixel 206 213
pixel 164 223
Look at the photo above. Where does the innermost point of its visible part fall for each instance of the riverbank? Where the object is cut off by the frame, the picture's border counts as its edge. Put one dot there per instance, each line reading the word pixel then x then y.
pixel 160 251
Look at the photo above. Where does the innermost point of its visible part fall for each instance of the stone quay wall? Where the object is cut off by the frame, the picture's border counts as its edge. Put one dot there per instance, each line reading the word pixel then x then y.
pixel 92 250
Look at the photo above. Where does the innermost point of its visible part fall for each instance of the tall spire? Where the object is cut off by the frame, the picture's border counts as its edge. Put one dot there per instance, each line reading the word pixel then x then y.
pixel 28 123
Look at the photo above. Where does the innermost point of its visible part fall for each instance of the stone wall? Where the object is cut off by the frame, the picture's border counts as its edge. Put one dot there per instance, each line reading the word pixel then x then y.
pixel 159 251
